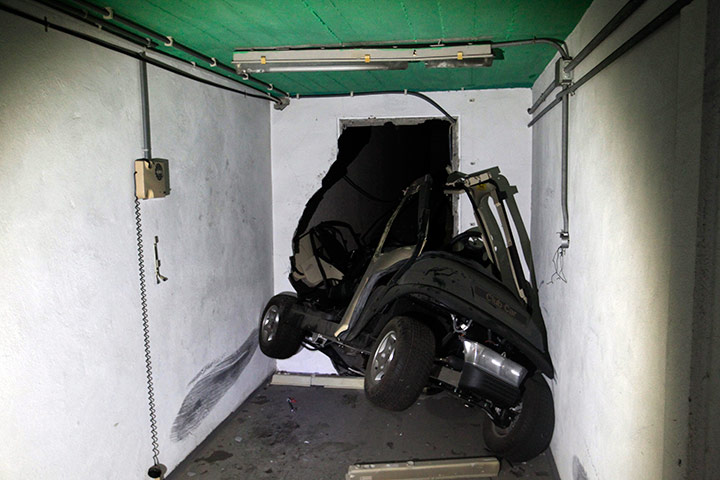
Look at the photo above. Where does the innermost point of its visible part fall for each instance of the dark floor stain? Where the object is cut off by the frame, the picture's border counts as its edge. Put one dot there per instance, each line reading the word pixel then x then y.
pixel 350 399
pixel 264 431
pixel 216 456
pixel 335 448
pixel 213 382
pixel 390 445
pixel 260 400
pixel 271 434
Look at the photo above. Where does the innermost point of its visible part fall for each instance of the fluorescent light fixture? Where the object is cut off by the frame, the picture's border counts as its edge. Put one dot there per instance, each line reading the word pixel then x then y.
pixel 318 66
pixel 346 59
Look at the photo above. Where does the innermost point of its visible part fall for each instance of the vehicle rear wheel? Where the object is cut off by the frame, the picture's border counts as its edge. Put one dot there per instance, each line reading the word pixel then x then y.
pixel 400 364
pixel 530 432
pixel 278 338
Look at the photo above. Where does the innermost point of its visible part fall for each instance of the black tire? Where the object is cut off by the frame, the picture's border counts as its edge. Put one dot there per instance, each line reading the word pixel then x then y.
pixel 278 338
pixel 398 382
pixel 531 431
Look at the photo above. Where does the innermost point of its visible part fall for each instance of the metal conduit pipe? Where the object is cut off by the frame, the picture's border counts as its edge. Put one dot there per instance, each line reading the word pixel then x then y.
pixel 143 42
pixel 622 15
pixel 664 17
pixel 83 16
pixel 543 96
pixel 565 232
pixel 387 92
pixel 169 41
pixel 564 98
pixel 545 110
pixel 145 98
pixel 131 53
pixel 557 44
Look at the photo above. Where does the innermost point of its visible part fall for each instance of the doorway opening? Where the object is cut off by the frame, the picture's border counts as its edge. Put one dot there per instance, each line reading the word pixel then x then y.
pixel 377 159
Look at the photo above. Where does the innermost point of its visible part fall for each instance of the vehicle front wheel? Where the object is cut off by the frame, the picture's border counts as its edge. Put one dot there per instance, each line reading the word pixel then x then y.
pixel 530 432
pixel 278 338
pixel 400 364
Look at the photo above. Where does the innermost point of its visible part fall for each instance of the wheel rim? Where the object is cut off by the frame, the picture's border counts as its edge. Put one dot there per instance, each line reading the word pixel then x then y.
pixel 270 323
pixel 502 432
pixel 384 354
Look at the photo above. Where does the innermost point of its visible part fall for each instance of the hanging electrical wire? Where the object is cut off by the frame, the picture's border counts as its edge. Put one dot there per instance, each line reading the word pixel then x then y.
pixel 558 262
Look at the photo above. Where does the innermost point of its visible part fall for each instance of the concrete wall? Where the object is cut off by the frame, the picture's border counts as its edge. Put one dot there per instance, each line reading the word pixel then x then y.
pixel 705 369
pixel 620 327
pixel 73 396
pixel 491 131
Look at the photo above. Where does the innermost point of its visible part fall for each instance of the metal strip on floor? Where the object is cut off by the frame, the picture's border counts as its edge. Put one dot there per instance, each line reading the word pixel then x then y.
pixel 453 469
pixel 327 381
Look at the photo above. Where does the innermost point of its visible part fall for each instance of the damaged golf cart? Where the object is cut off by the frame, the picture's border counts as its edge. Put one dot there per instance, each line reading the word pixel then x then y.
pixel 409 310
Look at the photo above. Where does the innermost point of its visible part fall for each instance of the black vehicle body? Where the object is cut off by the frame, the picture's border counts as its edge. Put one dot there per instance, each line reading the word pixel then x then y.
pixel 473 298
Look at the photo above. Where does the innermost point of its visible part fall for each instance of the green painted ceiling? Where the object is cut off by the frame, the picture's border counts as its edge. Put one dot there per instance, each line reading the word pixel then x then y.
pixel 218 27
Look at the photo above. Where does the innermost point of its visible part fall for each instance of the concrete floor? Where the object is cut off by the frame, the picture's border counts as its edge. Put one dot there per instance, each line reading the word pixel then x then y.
pixel 331 429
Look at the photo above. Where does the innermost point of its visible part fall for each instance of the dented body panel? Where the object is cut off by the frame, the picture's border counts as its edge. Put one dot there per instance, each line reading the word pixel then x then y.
pixel 442 281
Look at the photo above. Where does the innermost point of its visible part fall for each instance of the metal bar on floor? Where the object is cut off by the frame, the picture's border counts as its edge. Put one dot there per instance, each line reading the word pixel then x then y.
pixel 317 380
pixel 458 468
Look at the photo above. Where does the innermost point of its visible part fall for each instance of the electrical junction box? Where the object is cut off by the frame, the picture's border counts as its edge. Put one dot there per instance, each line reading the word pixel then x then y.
pixel 152 178
pixel 561 76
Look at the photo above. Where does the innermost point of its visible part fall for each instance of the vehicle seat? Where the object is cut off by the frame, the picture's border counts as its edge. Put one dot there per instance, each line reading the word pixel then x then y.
pixel 326 262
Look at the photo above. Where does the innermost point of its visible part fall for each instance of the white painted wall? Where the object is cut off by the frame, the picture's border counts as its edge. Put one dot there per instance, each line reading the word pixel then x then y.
pixel 73 396
pixel 491 131
pixel 620 328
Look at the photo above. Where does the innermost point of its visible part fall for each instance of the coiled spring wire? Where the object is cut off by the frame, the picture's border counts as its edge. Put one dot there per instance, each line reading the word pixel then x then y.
pixel 146 334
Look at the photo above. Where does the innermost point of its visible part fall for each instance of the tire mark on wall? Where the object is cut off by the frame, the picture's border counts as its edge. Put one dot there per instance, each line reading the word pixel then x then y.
pixel 213 381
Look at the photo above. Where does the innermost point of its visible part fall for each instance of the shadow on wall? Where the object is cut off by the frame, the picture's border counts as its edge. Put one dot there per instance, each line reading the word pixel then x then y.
pixel 210 384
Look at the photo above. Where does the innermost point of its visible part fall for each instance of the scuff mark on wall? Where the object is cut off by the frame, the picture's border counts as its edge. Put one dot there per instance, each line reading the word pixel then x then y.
pixel 578 470
pixel 209 386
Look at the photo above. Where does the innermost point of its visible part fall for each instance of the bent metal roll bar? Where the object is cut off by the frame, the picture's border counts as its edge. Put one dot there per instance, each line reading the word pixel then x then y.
pixel 500 245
